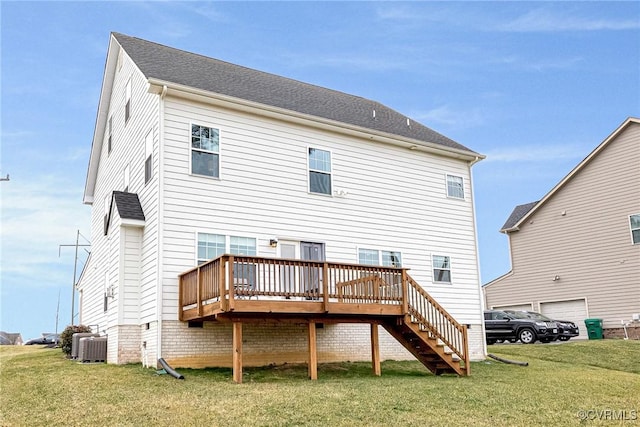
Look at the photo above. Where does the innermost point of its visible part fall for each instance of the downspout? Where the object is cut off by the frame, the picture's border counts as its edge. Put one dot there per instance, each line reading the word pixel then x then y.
pixel 475 233
pixel 159 277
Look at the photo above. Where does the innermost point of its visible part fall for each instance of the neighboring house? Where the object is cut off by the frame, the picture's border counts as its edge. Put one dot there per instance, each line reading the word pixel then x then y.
pixel 193 158
pixel 575 254
pixel 7 338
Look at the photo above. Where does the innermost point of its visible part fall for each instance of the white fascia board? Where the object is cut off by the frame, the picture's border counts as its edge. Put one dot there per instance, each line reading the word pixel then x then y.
pixel 181 91
pixel 101 119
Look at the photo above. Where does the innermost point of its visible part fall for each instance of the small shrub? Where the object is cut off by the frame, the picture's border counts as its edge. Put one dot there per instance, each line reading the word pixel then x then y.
pixel 66 337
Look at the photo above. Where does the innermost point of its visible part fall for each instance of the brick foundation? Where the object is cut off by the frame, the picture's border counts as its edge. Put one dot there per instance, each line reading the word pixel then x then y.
pixel 633 331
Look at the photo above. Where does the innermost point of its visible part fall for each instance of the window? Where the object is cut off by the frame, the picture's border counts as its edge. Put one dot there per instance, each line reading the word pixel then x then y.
pixel 319 171
pixel 635 228
pixel 455 187
pixel 106 291
pixel 107 204
pixel 210 246
pixel 109 140
pixel 148 155
pixel 126 178
pixel 441 269
pixel 242 246
pixel 376 257
pixel 127 102
pixel 205 151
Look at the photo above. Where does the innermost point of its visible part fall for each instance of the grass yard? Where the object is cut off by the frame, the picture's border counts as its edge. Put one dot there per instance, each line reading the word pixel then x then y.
pixel 41 387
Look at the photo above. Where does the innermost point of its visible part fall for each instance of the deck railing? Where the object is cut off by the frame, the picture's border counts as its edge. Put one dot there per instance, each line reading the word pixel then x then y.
pixel 231 277
pixel 433 318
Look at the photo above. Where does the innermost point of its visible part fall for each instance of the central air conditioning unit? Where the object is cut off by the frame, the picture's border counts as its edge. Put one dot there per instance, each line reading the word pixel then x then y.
pixel 75 342
pixel 92 349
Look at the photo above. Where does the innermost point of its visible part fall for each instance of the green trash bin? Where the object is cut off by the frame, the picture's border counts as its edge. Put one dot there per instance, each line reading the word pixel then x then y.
pixel 594 328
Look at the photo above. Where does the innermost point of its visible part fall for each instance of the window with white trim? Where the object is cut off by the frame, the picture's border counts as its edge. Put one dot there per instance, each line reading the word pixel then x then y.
pixel 107 205
pixel 205 151
pixel 211 246
pixel 376 257
pixel 126 178
pixel 441 269
pixel 455 187
pixel 127 102
pixel 110 138
pixel 634 222
pixel 319 171
pixel 148 156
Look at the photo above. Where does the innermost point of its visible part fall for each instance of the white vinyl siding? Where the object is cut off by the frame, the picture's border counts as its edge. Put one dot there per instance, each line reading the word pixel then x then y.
pixel 455 186
pixel 111 176
pixel 395 199
pixel 634 222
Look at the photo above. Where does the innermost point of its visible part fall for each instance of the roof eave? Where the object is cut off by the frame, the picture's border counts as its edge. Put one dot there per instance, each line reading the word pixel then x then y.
pixel 157 85
pixel 575 171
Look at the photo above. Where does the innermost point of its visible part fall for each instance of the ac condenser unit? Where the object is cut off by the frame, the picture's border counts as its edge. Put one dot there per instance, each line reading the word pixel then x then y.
pixel 92 349
pixel 75 342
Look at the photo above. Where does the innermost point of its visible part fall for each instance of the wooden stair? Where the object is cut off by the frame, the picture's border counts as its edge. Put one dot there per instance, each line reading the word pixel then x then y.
pixel 425 347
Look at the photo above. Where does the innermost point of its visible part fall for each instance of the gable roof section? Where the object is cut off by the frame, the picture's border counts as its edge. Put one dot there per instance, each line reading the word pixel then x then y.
pixel 517 214
pixel 188 69
pixel 129 209
pixel 513 223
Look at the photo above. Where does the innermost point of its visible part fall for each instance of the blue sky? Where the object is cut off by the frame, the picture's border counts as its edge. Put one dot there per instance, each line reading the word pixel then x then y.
pixel 535 86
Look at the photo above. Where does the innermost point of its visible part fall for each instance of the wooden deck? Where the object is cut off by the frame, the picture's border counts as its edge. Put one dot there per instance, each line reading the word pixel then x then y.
pixel 242 289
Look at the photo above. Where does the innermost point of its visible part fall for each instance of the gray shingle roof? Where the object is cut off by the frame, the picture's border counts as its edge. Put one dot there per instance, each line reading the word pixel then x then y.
pixel 128 205
pixel 197 71
pixel 518 213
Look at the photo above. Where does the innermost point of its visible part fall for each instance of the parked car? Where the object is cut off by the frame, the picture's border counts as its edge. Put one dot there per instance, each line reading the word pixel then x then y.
pixel 46 339
pixel 513 326
pixel 566 328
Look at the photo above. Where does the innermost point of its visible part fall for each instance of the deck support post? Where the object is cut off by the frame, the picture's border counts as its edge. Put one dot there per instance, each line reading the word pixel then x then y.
pixel 313 352
pixel 375 350
pixel 237 352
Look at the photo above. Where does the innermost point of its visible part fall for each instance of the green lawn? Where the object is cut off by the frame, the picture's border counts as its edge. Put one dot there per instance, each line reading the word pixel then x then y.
pixel 41 387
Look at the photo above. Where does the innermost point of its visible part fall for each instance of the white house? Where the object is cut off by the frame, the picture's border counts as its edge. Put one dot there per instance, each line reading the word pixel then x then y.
pixel 193 158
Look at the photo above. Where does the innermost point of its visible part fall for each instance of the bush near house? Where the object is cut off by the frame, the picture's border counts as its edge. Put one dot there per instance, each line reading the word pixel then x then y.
pixel 66 338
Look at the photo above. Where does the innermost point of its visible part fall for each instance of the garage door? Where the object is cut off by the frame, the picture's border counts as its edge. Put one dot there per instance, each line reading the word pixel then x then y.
pixel 518 307
pixel 574 310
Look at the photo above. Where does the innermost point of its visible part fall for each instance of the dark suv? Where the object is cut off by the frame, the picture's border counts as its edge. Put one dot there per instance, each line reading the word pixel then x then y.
pixel 566 328
pixel 513 326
